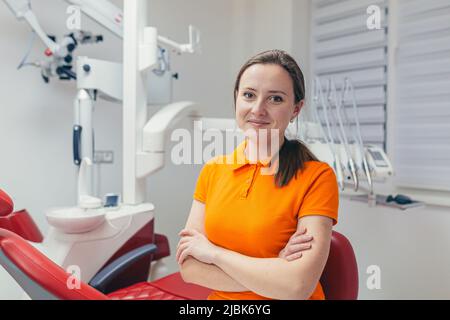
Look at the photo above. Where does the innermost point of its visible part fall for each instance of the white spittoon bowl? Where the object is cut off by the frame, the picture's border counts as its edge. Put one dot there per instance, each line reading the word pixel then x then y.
pixel 75 220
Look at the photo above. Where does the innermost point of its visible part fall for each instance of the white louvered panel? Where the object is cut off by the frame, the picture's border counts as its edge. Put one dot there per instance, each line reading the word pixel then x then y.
pixel 422 111
pixel 437 44
pixel 370 133
pixel 342 9
pixel 423 89
pixel 424 24
pixel 367 115
pixel 343 47
pixel 421 68
pixel 414 8
pixel 348 60
pixel 364 77
pixel 342 27
pixel 430 110
pixel 430 177
pixel 366 95
pixel 426 131
pixel 359 41
pixel 417 154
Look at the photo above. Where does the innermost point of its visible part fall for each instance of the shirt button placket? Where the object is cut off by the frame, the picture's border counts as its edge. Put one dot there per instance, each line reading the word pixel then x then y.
pixel 248 183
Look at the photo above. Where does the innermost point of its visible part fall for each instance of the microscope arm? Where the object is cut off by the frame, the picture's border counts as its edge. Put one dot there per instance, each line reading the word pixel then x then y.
pixel 22 10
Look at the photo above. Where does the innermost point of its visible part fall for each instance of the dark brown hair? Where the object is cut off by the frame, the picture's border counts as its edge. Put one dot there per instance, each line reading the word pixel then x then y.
pixel 293 153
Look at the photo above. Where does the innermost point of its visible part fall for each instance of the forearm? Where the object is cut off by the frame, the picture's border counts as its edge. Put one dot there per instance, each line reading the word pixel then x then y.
pixel 209 275
pixel 273 278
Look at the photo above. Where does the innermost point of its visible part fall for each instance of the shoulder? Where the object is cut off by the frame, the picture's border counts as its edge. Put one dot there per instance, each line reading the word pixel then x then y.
pixel 214 164
pixel 315 169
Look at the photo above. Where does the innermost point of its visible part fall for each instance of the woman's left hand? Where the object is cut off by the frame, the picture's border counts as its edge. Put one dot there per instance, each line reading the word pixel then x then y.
pixel 195 244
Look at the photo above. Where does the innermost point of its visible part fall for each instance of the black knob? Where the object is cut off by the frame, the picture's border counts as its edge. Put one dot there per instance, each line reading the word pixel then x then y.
pixel 71 47
pixel 175 75
pixel 68 58
pixel 87 68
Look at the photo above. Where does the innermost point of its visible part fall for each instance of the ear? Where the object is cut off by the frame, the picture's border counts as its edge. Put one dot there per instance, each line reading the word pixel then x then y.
pixel 297 108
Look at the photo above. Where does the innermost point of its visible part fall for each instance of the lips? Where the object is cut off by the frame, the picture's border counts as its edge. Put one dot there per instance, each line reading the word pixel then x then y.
pixel 258 122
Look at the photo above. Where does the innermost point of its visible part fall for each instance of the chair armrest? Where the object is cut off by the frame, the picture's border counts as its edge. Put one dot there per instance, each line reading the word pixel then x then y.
pixel 101 280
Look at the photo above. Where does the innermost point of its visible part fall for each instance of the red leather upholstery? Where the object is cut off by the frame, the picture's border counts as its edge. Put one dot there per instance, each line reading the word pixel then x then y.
pixel 171 287
pixel 42 270
pixel 53 279
pixel 175 285
pixel 20 222
pixel 142 291
pixel 340 277
pixel 6 204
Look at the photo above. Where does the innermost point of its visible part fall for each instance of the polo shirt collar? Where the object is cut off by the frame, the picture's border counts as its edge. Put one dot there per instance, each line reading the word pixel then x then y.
pixel 237 159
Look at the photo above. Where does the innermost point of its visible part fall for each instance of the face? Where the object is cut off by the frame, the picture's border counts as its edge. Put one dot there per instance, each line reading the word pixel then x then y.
pixel 265 99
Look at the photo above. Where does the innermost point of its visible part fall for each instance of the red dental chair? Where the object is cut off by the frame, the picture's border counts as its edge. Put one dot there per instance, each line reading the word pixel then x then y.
pixel 43 279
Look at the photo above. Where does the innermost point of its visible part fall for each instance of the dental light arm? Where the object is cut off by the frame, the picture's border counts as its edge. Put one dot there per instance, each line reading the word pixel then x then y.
pixel 191 47
pixel 103 12
pixel 155 134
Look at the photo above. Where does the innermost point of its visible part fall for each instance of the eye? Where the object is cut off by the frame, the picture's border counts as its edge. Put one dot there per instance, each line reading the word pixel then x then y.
pixel 276 99
pixel 248 95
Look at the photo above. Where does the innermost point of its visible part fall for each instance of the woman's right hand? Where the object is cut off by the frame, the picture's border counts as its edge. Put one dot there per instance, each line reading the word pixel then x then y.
pixel 297 243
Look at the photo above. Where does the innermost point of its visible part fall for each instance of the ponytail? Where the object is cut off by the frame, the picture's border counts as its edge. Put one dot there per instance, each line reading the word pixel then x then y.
pixel 292 157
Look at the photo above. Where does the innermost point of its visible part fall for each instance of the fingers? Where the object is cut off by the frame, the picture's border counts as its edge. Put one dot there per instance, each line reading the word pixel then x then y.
pixel 299 232
pixel 297 247
pixel 180 250
pixel 183 255
pixel 301 239
pixel 294 256
pixel 302 230
pixel 188 232
pixel 185 232
pixel 183 240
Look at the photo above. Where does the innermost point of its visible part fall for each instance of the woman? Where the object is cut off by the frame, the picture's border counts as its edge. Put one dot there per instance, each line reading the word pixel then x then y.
pixel 243 224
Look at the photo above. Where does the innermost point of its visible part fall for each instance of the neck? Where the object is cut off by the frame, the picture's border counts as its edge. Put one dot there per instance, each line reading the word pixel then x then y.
pixel 257 150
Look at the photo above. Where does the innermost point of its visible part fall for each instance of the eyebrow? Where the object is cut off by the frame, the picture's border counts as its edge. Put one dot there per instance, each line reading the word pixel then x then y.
pixel 270 91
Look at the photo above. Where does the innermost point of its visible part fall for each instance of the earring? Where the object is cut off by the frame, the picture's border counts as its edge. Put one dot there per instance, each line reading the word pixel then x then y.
pixel 292 120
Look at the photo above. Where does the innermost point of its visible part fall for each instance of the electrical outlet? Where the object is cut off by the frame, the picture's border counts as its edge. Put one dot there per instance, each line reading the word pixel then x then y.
pixel 104 156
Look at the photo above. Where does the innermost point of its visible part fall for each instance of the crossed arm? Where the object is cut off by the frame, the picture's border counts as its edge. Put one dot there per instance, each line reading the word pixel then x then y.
pixel 214 267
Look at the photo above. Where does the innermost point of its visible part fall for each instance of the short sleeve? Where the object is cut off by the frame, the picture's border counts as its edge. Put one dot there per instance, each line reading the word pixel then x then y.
pixel 322 195
pixel 203 180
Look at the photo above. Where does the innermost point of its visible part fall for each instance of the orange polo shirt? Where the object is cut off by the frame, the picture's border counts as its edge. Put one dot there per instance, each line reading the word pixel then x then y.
pixel 246 212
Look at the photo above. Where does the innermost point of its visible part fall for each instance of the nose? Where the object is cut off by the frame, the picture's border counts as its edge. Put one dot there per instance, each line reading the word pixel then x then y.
pixel 259 108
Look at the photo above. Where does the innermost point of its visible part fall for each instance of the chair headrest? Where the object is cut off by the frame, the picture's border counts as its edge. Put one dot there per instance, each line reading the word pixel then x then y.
pixel 6 204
